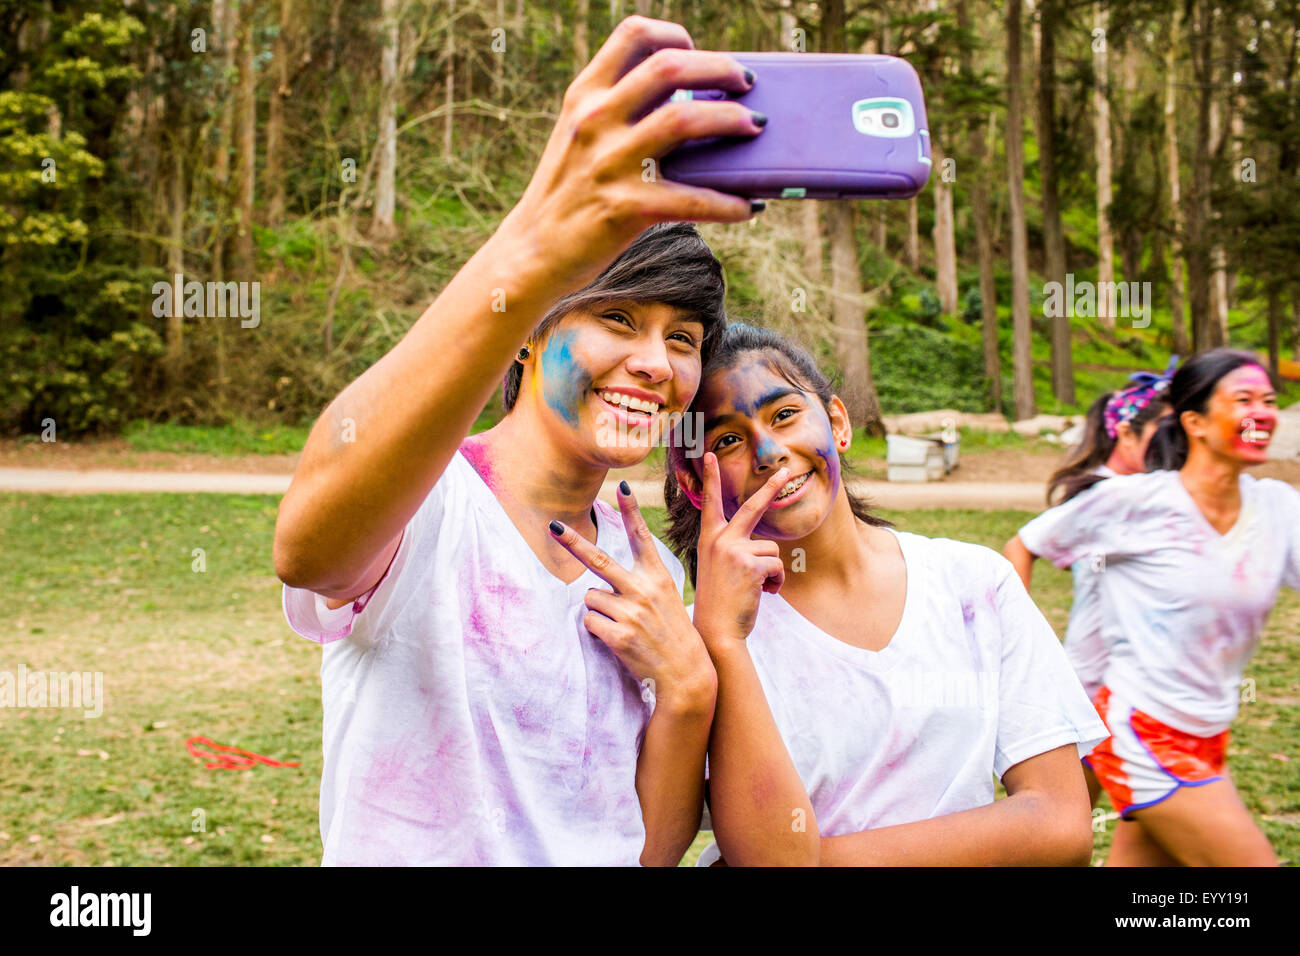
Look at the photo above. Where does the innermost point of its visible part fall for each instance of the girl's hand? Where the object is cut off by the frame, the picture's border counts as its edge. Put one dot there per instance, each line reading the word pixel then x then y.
pixel 643 620
pixel 598 185
pixel 733 569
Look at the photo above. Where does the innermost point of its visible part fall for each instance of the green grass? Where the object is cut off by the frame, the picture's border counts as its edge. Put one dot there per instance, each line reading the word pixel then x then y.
pixel 107 583
pixel 239 438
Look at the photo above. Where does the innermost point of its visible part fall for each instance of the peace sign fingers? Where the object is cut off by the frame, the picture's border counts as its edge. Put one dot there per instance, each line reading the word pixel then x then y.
pixel 600 563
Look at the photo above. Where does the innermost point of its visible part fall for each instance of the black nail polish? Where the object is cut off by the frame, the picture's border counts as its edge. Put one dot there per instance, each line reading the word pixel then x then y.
pixel 757 205
pixel 749 76
pixel 624 487
pixel 760 119
pixel 557 528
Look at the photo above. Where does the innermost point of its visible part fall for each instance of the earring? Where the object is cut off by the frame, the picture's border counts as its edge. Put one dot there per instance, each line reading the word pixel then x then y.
pixel 844 443
pixel 523 354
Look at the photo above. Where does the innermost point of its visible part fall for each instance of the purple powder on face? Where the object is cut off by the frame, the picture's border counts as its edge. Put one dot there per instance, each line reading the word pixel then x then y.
pixel 832 459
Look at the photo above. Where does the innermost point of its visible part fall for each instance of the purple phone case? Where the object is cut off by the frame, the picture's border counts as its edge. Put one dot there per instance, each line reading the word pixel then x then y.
pixel 840 126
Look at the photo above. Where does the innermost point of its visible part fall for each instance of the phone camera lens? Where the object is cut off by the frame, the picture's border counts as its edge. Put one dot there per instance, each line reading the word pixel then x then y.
pixel 889 120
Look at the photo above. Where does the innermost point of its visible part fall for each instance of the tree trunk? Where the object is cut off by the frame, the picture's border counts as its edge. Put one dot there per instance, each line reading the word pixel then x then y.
pixel 581 47
pixel 382 227
pixel 1218 258
pixel 1205 330
pixel 848 315
pixel 1022 356
pixel 945 243
pixel 449 83
pixel 1274 325
pixel 1295 321
pixel 274 173
pixel 912 248
pixel 243 260
pixel 811 228
pixel 224 18
pixel 848 311
pixel 176 262
pixel 1053 231
pixel 1101 117
pixel 1176 301
pixel 983 230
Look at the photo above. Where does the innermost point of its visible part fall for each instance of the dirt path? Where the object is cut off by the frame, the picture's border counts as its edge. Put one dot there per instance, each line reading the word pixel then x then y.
pixel 988 479
pixel 987 495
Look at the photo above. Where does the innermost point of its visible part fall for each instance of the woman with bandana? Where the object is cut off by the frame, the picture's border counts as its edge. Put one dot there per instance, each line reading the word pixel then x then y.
pixel 1189 559
pixel 1118 429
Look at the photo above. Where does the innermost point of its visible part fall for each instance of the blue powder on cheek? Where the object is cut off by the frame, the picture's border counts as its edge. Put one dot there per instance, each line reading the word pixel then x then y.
pixel 564 381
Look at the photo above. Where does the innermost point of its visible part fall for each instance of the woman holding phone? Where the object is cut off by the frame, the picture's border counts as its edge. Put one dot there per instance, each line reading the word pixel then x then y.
pixel 871 682
pixel 476 710
pixel 1190 557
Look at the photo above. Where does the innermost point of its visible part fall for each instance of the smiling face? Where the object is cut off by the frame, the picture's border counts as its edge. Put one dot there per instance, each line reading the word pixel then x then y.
pixel 604 382
pixel 757 422
pixel 1241 417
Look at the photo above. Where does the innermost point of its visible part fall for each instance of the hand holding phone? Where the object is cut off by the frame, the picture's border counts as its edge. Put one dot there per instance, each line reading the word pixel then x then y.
pixel 840 126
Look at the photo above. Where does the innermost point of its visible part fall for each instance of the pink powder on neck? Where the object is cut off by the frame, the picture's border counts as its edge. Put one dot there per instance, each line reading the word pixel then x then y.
pixel 475 451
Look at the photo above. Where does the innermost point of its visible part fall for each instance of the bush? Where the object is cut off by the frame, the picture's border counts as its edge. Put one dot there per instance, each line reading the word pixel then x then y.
pixel 85 385
pixel 916 368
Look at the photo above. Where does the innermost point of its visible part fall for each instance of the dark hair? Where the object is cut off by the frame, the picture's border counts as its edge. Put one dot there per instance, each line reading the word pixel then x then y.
pixel 1078 473
pixel 668 263
pixel 1190 390
pixel 793 364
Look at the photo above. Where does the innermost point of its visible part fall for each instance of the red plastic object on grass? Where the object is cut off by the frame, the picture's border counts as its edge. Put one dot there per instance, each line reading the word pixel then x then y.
pixel 229 758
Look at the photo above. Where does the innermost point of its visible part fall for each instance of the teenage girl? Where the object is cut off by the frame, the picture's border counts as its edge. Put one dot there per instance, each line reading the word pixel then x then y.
pixel 1193 553
pixel 488 700
pixel 1118 430
pixel 871 682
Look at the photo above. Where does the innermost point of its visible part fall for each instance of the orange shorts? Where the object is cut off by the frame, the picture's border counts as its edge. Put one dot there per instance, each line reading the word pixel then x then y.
pixel 1145 761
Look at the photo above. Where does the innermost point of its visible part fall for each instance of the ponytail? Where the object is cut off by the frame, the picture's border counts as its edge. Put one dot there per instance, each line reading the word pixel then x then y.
pixel 1168 448
pixel 1079 471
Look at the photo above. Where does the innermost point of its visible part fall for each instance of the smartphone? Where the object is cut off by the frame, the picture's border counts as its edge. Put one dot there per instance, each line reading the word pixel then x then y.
pixel 840 126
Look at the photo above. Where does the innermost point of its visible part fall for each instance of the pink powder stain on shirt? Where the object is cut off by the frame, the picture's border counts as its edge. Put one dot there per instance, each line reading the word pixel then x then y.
pixel 493 603
pixel 972 639
pixel 967 613
pixel 475 451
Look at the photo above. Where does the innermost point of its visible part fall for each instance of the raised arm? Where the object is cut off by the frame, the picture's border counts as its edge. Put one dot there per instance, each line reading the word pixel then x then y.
pixel 380 446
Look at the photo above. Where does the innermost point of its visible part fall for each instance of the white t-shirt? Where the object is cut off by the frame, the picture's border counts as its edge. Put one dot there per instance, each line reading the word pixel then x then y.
pixel 1084 647
pixel 470 717
pixel 1182 606
pixel 973 682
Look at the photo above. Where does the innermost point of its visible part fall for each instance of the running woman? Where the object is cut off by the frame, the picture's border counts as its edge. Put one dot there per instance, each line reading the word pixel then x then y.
pixel 1118 430
pixel 476 710
pixel 1190 559
pixel 871 682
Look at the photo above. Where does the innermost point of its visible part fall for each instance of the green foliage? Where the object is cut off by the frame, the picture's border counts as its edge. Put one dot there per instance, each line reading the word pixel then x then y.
pixel 918 368
pixel 83 384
